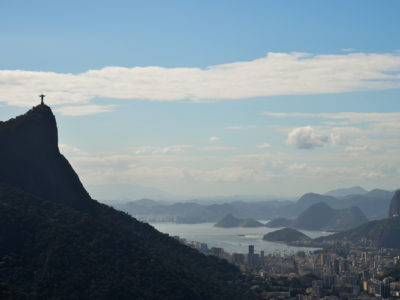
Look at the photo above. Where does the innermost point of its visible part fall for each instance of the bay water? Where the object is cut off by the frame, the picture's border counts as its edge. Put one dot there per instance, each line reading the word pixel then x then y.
pixel 233 240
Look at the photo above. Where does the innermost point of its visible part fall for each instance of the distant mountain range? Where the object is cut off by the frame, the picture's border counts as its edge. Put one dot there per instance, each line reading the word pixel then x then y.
pixel 229 221
pixel 58 243
pixel 379 234
pixel 374 204
pixel 355 190
pixel 382 233
pixel 321 216
pixel 188 212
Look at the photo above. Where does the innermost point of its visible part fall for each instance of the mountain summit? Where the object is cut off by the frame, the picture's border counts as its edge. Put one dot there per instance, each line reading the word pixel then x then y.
pixel 31 160
pixel 321 216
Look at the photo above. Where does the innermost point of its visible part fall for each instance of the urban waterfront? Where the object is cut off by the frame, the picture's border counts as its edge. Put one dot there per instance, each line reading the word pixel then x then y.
pixel 232 240
pixel 343 270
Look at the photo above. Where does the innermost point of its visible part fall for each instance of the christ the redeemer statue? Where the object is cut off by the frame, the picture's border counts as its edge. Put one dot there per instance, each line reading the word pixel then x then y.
pixel 41 98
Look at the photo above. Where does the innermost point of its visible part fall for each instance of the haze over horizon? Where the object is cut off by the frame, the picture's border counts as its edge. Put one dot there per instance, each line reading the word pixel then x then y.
pixel 212 99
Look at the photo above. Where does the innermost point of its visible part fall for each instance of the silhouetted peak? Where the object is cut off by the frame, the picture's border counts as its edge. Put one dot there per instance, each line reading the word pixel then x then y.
pixel 40 114
pixel 34 131
pixel 308 195
pixel 311 198
pixel 30 158
pixel 321 216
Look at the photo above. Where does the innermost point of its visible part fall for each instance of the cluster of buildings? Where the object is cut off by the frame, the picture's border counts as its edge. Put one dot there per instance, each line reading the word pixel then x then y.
pixel 342 272
pixel 155 218
pixel 202 247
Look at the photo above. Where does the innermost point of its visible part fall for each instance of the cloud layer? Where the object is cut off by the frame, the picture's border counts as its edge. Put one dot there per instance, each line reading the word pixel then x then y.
pixel 179 170
pixel 361 132
pixel 275 74
pixel 83 110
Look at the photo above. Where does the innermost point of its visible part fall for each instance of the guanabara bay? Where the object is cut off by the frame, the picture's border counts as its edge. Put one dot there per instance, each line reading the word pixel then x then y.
pixel 58 243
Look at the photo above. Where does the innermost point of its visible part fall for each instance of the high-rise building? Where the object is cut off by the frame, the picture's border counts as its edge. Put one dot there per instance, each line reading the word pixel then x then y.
pixel 262 258
pixel 250 257
pixel 251 249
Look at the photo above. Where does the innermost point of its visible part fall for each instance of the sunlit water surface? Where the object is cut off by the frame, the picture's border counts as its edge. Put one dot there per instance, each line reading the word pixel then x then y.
pixel 233 240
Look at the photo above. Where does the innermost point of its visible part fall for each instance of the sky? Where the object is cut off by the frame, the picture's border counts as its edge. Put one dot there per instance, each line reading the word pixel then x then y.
pixel 176 100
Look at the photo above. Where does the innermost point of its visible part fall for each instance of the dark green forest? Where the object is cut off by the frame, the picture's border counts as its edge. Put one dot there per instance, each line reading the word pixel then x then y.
pixel 48 250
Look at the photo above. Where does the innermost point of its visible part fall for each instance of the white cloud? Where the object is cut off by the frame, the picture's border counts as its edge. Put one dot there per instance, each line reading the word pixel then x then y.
pixel 214 139
pixel 275 74
pixel 383 124
pixel 306 138
pixel 83 110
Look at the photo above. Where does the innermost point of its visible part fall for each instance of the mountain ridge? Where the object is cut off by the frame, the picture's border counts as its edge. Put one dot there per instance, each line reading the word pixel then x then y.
pixel 57 242
pixel 377 233
pixel 374 204
pixel 321 216
pixel 343 192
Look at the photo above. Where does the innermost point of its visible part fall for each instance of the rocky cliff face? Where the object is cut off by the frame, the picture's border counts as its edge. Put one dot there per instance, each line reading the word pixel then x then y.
pixel 395 205
pixel 31 160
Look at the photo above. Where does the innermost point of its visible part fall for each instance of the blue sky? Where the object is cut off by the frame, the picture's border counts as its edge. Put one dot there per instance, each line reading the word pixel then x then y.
pixel 184 99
